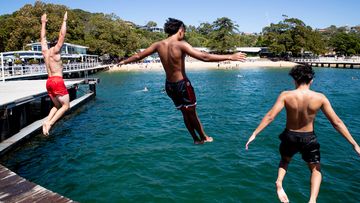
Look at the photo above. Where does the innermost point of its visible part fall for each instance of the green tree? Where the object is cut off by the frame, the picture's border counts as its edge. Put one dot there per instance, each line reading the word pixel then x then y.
pixel 205 28
pixel 292 36
pixel 346 43
pixel 222 38
pixel 151 24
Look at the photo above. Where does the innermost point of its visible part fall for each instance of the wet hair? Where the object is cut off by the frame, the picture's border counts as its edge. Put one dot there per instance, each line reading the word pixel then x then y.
pixel 302 74
pixel 172 26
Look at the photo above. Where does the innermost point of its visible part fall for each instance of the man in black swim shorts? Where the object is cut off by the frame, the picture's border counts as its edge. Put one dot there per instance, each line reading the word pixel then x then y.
pixel 172 52
pixel 182 93
pixel 306 143
pixel 302 105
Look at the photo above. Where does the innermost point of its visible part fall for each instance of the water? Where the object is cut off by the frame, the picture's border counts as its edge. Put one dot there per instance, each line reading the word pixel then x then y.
pixel 130 144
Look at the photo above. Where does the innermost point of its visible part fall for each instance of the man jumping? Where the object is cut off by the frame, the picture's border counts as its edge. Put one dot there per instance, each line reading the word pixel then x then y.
pixel 55 84
pixel 172 52
pixel 302 105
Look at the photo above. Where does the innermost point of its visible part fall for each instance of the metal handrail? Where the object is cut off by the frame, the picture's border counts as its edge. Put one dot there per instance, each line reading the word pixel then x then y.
pixel 40 69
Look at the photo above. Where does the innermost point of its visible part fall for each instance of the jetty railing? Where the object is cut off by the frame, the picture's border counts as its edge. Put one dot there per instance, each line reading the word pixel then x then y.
pixel 331 62
pixel 20 71
pixel 355 59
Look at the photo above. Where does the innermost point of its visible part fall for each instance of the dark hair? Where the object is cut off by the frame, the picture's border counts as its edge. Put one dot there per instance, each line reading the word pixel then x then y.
pixel 302 74
pixel 172 26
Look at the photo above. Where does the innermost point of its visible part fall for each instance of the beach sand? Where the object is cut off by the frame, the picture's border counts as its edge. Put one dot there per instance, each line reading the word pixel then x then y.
pixel 199 65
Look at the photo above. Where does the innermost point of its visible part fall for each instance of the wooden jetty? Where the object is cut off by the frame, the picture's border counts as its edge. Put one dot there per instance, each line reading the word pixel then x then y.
pixel 23 107
pixel 25 104
pixel 14 188
pixel 330 62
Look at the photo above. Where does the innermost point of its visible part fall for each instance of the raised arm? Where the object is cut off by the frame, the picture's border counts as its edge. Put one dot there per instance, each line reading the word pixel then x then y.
pixel 44 46
pixel 268 118
pixel 338 124
pixel 62 34
pixel 138 56
pixel 191 51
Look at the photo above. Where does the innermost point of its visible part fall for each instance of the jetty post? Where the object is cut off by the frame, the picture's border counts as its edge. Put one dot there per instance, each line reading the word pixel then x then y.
pixel 2 67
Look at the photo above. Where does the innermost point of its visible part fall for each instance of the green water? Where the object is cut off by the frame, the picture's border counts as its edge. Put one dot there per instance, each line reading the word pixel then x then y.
pixel 130 145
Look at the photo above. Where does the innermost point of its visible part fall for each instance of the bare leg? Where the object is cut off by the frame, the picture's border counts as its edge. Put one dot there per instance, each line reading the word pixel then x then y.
pixel 65 104
pixel 52 112
pixel 283 165
pixel 197 125
pixel 315 181
pixel 189 126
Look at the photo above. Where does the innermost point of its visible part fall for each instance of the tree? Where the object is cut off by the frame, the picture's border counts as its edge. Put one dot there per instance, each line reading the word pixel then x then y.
pixel 292 36
pixel 222 37
pixel 346 43
pixel 151 24
pixel 102 33
pixel 205 28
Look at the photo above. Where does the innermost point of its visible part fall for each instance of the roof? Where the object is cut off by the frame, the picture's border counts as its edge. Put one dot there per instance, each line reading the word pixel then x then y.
pixel 249 49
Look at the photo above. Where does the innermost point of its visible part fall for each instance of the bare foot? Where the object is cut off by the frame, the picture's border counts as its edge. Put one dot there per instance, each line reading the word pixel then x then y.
pixel 43 128
pixel 208 139
pixel 46 128
pixel 281 193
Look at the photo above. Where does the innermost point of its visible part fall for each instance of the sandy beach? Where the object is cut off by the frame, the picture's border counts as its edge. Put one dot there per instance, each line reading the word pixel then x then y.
pixel 199 65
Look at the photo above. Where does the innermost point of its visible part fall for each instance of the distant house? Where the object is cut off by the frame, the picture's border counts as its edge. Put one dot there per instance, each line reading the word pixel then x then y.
pixel 69 52
pixel 248 50
pixel 66 49
pixel 151 29
pixel 24 56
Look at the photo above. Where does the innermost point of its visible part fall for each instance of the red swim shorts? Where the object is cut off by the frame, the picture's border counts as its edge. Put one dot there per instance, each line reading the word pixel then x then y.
pixel 55 86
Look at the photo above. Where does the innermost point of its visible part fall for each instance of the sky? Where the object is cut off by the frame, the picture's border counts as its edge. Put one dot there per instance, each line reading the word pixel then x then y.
pixel 251 16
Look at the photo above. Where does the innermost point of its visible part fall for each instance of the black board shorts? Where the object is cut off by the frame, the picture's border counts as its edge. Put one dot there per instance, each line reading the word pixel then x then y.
pixel 303 142
pixel 181 92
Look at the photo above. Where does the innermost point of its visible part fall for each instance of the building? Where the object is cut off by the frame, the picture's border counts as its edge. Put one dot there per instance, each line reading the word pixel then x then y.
pixel 66 49
pixel 70 53
pixel 151 29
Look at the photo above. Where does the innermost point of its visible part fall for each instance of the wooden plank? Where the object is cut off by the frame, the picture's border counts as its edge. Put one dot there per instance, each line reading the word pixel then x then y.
pixel 14 188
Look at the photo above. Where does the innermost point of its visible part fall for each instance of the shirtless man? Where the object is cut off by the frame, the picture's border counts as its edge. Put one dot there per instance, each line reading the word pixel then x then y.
pixel 302 105
pixel 55 84
pixel 172 52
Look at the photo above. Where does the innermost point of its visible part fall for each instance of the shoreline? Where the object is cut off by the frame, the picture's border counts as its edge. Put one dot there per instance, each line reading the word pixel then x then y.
pixel 199 65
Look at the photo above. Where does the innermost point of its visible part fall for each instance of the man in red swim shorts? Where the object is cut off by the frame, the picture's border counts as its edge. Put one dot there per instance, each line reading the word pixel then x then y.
pixel 55 84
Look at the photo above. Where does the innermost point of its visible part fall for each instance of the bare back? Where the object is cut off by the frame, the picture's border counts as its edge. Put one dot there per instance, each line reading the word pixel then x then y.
pixel 172 57
pixel 301 109
pixel 53 62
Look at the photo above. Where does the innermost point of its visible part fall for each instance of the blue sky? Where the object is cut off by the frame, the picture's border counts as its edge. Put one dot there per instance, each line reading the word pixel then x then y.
pixel 251 16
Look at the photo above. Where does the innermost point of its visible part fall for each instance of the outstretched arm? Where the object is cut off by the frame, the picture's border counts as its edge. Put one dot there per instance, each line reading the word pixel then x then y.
pixel 191 51
pixel 268 118
pixel 138 56
pixel 62 34
pixel 338 124
pixel 44 46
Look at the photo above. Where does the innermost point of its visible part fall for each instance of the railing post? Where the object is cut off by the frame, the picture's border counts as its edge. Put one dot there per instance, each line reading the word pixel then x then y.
pixel 2 67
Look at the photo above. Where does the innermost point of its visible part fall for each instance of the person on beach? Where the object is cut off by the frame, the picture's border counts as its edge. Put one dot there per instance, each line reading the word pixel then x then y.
pixel 172 52
pixel 55 84
pixel 302 105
